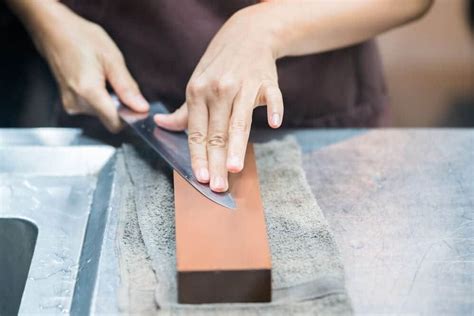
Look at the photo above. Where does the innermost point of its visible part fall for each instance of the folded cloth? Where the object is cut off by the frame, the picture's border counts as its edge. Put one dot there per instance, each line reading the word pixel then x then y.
pixel 137 278
pixel 307 273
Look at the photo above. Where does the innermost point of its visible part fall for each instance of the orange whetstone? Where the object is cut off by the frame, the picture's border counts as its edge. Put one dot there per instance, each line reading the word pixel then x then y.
pixel 222 255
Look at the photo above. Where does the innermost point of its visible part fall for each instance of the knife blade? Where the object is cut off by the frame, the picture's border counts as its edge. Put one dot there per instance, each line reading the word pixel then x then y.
pixel 171 146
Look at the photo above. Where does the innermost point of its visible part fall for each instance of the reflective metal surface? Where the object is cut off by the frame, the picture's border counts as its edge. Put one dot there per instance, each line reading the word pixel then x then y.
pixel 173 148
pixel 44 137
pixel 65 192
pixel 401 205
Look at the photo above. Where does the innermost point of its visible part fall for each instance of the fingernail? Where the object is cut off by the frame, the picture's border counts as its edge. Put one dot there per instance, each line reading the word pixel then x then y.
pixel 141 102
pixel 203 175
pixel 276 119
pixel 217 183
pixel 158 117
pixel 234 162
pixel 138 100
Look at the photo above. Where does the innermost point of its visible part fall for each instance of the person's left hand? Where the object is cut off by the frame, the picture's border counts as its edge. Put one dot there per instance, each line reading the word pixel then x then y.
pixel 236 74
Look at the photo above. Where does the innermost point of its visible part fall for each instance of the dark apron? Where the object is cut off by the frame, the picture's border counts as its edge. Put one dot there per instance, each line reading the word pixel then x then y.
pixel 163 40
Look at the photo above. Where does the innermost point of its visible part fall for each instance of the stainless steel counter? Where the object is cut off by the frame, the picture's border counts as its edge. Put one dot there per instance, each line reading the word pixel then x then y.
pixel 401 205
pixel 400 202
pixel 55 189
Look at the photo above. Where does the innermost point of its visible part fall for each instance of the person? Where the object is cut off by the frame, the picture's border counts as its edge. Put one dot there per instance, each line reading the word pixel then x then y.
pixel 214 62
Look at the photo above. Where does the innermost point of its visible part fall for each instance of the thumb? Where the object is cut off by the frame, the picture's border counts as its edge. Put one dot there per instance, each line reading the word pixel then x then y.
pixel 176 121
pixel 124 85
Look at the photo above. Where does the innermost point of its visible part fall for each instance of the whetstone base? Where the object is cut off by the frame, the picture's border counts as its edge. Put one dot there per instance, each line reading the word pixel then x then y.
pixel 224 286
pixel 222 255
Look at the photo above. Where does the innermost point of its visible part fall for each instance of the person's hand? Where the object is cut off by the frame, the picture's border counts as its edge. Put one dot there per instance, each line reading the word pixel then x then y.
pixel 236 74
pixel 83 59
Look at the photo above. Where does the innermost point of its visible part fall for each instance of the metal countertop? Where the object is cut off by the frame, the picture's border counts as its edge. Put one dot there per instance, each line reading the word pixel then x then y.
pixel 401 206
pixel 400 203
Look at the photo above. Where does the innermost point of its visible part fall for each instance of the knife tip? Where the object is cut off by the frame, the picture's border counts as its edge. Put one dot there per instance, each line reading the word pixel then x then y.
pixel 230 203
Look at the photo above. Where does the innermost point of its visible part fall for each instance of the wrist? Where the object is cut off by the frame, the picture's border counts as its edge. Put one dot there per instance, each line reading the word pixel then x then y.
pixel 266 25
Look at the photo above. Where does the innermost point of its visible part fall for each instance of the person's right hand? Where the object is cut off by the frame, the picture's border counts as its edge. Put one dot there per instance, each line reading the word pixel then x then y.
pixel 83 58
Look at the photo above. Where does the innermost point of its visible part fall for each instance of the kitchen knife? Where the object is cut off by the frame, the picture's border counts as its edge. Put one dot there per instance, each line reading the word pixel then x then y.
pixel 171 146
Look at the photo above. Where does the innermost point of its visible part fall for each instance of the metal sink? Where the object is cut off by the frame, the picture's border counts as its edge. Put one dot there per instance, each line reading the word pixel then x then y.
pixel 17 243
pixel 55 193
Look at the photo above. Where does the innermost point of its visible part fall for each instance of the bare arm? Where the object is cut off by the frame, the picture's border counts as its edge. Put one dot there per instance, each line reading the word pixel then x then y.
pixel 304 27
pixel 238 70
pixel 82 58
pixel 35 15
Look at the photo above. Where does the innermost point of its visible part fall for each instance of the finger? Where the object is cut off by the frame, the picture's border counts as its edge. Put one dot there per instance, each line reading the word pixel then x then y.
pixel 73 104
pixel 274 100
pixel 197 136
pixel 124 85
pixel 239 129
pixel 217 136
pixel 104 107
pixel 176 121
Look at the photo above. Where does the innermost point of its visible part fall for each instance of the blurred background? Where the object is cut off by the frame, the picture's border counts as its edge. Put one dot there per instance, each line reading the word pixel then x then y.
pixel 429 66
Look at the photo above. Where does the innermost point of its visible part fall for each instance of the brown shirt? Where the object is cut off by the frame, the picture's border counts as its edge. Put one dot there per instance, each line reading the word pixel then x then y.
pixel 163 40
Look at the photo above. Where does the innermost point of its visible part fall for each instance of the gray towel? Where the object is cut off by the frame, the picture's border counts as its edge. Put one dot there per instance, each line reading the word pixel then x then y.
pixel 137 278
pixel 307 274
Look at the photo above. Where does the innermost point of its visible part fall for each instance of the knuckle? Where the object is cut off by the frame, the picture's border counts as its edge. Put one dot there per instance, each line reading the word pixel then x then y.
pixel 223 86
pixel 70 107
pixel 196 138
pixel 273 91
pixel 99 31
pixel 112 124
pixel 239 126
pixel 117 55
pixel 113 59
pixel 217 140
pixel 195 88
pixel 115 129
pixel 86 88
pixel 71 110
pixel 267 83
pixel 96 28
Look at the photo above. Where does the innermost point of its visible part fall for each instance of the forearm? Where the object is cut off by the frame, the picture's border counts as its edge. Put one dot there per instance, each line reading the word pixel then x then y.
pixel 40 18
pixel 306 27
